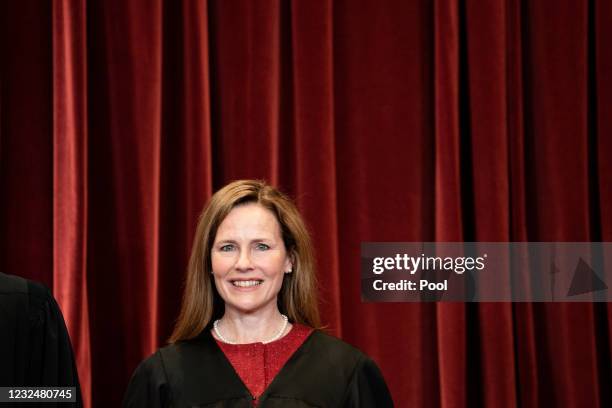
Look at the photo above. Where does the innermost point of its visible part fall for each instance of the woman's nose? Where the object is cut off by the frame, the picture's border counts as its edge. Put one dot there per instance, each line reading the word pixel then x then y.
pixel 244 261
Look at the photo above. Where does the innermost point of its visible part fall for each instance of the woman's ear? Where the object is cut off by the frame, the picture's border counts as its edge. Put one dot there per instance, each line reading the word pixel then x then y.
pixel 289 262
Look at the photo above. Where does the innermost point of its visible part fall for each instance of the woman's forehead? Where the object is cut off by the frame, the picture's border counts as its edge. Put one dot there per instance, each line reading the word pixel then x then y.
pixel 249 220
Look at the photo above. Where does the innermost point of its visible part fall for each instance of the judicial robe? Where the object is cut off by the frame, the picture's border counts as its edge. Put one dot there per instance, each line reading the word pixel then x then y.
pixel 323 372
pixel 35 349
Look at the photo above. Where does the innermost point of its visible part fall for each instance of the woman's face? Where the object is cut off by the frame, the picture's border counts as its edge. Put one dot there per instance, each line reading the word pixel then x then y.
pixel 249 259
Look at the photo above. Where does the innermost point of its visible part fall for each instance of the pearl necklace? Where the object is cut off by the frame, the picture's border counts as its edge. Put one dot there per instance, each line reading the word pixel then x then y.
pixel 276 336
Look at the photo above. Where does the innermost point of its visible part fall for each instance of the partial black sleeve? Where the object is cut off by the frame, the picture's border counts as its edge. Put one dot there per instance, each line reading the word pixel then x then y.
pixel 52 360
pixel 35 349
pixel 367 387
pixel 148 386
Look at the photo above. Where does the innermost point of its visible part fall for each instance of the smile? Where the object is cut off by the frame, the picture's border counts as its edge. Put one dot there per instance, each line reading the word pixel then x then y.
pixel 246 284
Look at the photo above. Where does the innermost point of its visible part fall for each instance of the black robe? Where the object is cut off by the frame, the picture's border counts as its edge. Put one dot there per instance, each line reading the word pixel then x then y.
pixel 323 372
pixel 35 349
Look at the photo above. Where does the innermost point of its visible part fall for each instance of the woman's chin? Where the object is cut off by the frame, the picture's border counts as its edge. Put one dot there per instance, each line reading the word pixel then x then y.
pixel 246 308
pixel 246 304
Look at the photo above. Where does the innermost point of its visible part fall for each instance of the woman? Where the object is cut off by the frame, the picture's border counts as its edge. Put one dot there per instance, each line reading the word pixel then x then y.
pixel 247 334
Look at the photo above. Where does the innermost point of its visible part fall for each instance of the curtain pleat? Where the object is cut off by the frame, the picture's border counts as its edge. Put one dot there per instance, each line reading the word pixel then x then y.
pixel 26 163
pixel 70 179
pixel 186 158
pixel 485 62
pixel 313 155
pixel 451 318
pixel 601 103
pixel 246 92
pixel 126 90
pixel 384 169
pixel 559 191
pixel 386 121
pixel 525 368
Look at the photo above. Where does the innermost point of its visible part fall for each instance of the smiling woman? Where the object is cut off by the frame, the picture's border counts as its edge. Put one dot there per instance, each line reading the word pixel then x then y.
pixel 248 332
pixel 249 261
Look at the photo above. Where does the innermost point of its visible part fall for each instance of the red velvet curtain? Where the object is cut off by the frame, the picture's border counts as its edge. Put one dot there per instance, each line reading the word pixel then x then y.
pixel 386 120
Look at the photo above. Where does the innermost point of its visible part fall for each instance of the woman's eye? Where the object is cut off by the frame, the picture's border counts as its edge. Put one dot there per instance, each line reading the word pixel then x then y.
pixel 262 247
pixel 226 248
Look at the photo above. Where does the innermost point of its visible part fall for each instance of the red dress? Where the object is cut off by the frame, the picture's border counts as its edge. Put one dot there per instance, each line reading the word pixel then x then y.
pixel 257 364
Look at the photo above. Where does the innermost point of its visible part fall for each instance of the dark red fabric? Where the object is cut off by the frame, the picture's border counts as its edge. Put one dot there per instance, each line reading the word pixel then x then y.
pixel 257 363
pixel 387 121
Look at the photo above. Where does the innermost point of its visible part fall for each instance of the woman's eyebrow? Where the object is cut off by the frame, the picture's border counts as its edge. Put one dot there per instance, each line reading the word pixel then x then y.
pixel 233 241
pixel 262 239
pixel 226 241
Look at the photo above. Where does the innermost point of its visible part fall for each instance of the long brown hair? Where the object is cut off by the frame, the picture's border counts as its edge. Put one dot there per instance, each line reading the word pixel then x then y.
pixel 297 297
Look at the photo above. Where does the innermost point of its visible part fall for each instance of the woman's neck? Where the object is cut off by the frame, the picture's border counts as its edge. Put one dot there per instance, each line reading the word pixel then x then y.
pixel 260 326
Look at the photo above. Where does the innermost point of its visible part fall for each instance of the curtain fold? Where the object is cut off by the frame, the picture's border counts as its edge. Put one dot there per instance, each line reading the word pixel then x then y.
pixel 386 121
pixel 26 165
pixel 70 178
pixel 601 105
pixel 452 346
pixel 126 91
pixel 313 156
pixel 186 149
pixel 246 63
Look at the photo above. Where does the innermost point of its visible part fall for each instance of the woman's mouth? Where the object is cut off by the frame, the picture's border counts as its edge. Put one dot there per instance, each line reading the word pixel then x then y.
pixel 246 283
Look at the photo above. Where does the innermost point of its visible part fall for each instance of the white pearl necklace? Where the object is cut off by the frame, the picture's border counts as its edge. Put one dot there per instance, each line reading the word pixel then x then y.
pixel 276 336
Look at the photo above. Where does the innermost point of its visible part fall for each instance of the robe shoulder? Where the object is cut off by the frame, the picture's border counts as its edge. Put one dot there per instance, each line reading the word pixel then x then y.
pixel 367 387
pixel 350 369
pixel 34 342
pixel 148 386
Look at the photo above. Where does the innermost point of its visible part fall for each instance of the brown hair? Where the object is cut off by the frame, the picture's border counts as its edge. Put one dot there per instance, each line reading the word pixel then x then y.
pixel 297 297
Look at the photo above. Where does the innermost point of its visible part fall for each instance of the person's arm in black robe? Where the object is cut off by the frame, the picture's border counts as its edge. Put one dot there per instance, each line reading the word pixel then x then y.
pixel 148 386
pixel 35 348
pixel 367 387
